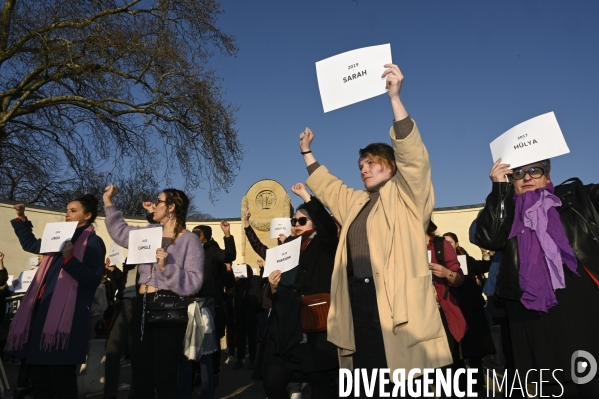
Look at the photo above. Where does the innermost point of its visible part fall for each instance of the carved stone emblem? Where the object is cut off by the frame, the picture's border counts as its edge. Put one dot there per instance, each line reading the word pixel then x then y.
pixel 266 199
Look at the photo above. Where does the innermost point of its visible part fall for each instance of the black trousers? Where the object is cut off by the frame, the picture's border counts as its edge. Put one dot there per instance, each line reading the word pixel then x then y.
pixel 116 346
pixel 54 382
pixel 370 348
pixel 246 323
pixel 155 359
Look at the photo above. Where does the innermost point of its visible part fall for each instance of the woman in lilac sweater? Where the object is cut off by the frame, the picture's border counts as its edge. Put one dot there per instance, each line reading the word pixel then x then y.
pixel 156 351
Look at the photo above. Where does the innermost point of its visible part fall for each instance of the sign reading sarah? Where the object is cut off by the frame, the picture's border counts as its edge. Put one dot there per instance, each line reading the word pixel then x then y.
pixel 353 76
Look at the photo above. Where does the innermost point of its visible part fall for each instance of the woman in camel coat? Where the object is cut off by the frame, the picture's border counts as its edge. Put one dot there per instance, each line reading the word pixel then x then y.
pixel 383 310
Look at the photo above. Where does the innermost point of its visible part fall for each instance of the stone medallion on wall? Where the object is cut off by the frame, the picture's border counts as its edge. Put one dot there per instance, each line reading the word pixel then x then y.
pixel 266 199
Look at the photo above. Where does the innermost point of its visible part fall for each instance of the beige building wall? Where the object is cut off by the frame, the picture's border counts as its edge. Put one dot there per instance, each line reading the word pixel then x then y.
pixel 16 260
pixel 456 220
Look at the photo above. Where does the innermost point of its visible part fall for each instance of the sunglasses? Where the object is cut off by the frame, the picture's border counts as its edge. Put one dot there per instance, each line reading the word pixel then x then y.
pixel 301 221
pixel 534 172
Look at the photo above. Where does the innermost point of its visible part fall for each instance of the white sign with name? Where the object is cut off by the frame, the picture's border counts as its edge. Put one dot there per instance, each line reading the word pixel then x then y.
pixel 280 226
pixel 25 279
pixel 240 271
pixel 116 254
pixel 353 76
pixel 33 262
pixel 143 244
pixel 536 139
pixel 463 263
pixel 283 257
pixel 55 235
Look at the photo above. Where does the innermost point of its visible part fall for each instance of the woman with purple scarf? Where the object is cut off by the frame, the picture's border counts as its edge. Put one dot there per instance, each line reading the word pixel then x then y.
pixel 548 273
pixel 50 329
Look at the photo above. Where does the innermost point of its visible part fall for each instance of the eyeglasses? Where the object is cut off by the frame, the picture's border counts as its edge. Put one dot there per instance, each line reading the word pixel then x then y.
pixel 534 172
pixel 302 221
pixel 158 201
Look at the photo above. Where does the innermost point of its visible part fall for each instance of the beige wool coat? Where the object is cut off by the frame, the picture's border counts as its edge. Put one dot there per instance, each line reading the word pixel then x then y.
pixel 413 333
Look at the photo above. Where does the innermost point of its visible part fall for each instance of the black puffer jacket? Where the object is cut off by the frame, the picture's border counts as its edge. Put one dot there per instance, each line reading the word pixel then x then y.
pixel 578 213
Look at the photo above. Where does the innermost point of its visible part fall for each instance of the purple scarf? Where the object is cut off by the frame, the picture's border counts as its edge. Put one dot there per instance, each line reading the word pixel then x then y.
pixel 543 248
pixel 59 320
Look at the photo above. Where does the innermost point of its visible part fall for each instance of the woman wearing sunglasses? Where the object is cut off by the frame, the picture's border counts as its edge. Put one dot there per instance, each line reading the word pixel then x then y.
pixel 548 274
pixel 156 350
pixel 381 284
pixel 286 353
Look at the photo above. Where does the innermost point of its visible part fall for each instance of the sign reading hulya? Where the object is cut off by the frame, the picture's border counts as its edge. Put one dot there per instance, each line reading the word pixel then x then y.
pixel 536 139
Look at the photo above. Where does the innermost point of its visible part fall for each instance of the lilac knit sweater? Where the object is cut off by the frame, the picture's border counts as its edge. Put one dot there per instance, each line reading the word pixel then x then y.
pixel 184 271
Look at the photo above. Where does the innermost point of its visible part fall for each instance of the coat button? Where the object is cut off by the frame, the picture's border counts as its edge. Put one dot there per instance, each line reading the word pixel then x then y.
pixel 366 280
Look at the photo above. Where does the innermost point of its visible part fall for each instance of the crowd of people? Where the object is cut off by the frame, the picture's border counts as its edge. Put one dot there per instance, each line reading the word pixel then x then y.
pixel 364 295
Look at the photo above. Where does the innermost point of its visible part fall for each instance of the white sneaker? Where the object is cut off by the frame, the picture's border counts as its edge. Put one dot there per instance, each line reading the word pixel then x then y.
pixel 230 360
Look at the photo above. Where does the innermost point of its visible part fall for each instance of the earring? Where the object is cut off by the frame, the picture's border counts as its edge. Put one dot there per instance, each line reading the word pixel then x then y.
pixel 170 215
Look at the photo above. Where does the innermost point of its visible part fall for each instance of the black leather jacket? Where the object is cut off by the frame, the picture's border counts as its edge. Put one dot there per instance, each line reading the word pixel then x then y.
pixel 578 213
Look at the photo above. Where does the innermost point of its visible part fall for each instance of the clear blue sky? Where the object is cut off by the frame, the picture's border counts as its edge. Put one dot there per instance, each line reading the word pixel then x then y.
pixel 473 69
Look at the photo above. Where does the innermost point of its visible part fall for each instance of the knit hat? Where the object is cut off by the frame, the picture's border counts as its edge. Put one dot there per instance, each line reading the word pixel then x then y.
pixel 207 230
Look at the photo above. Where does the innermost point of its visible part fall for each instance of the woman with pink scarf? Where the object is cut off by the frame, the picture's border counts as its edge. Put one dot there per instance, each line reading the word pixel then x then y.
pixel 50 329
pixel 548 274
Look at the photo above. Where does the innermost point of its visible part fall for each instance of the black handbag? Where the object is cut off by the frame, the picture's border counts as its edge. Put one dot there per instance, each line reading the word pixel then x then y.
pixel 166 311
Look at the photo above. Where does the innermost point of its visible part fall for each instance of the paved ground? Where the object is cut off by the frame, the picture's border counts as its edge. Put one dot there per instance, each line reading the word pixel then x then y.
pixel 233 383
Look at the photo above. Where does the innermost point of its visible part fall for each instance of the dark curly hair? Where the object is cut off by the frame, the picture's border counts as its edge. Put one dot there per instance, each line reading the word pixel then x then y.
pixel 181 202
pixel 90 205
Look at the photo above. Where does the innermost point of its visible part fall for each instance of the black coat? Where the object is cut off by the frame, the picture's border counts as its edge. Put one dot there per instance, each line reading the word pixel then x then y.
pixel 313 276
pixel 87 273
pixel 577 213
pixel 547 340
pixel 215 272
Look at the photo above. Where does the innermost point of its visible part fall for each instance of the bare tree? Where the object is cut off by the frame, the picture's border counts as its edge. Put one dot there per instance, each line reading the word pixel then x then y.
pixel 105 83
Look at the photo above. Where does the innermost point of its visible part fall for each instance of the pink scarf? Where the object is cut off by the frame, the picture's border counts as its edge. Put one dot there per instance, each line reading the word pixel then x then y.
pixel 59 320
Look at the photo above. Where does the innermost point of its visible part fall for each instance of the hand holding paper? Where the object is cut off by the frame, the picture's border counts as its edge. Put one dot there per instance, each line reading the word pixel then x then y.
pixel 499 171
pixel 274 279
pixel 161 256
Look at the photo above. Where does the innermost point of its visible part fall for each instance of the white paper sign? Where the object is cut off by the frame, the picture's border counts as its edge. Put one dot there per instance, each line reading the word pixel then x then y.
pixel 430 256
pixel 353 76
pixel 536 139
pixel 116 254
pixel 55 235
pixel 33 262
pixel 11 277
pixel 463 263
pixel 280 226
pixel 284 257
pixel 143 244
pixel 240 271
pixel 25 279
